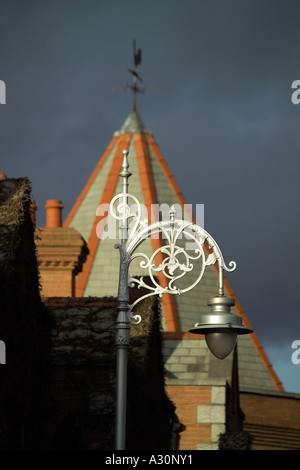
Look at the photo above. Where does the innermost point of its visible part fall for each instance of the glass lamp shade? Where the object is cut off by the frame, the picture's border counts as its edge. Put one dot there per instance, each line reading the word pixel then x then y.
pixel 220 327
pixel 221 342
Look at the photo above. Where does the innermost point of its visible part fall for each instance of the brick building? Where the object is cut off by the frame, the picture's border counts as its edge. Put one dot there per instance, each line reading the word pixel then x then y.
pixel 210 400
pixel 57 386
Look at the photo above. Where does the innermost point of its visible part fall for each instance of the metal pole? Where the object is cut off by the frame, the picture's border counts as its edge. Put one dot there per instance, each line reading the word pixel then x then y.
pixel 174 269
pixel 122 344
pixel 122 322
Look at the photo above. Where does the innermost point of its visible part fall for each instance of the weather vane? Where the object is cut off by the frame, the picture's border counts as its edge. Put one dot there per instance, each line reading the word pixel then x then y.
pixel 137 60
pixel 137 80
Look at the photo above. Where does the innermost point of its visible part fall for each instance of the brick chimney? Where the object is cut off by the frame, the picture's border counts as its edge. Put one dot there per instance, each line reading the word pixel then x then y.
pixel 61 253
pixel 53 213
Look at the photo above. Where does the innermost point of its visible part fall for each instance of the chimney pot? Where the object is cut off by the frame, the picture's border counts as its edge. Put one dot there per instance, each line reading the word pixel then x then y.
pixel 53 213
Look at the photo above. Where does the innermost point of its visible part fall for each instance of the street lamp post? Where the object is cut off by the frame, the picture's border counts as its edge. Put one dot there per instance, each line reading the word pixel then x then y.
pixel 220 328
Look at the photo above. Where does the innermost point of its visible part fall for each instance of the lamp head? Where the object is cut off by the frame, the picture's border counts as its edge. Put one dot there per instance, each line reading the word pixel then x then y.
pixel 220 327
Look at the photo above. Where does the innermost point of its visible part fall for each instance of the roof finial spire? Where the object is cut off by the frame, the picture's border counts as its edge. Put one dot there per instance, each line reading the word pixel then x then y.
pixel 137 59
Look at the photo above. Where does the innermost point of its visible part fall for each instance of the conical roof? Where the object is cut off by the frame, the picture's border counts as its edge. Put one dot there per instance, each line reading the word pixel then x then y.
pixel 152 183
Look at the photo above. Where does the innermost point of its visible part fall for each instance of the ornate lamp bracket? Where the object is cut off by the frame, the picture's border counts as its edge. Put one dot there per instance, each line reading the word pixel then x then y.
pixel 177 261
pixel 174 262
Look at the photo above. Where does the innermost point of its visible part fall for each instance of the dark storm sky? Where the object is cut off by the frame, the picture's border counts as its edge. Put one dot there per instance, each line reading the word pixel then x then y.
pixel 219 76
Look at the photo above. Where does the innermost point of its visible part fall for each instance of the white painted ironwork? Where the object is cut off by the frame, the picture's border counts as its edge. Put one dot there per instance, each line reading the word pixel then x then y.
pixel 177 261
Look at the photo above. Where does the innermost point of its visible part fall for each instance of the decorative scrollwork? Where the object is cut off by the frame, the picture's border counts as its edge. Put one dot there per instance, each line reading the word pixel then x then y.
pixel 135 319
pixel 122 210
pixel 177 260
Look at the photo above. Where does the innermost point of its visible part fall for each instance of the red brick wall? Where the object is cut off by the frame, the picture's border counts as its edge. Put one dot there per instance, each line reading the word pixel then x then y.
pixel 271 410
pixel 61 253
pixel 187 398
pixel 273 421
pixel 57 283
